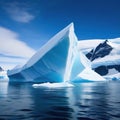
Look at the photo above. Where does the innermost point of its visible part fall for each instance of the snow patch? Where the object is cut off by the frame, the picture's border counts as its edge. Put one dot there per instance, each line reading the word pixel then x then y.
pixel 112 71
pixel 90 75
pixel 113 77
pixel 107 60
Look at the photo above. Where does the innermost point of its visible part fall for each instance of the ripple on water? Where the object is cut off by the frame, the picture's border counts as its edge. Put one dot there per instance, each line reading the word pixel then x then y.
pixel 55 118
pixel 84 118
pixel 63 108
pixel 2 118
pixel 59 113
pixel 25 110
pixel 95 103
pixel 114 114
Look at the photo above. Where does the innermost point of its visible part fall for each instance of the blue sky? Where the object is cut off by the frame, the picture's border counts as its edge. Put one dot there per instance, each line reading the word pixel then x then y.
pixel 25 25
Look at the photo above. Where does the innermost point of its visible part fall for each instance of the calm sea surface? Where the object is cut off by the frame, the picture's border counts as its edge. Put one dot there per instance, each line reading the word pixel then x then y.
pixel 84 101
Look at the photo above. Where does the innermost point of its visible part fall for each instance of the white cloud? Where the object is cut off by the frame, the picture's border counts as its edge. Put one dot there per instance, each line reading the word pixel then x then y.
pixel 21 16
pixel 12 60
pixel 10 45
pixel 9 62
pixel 7 66
pixel 19 13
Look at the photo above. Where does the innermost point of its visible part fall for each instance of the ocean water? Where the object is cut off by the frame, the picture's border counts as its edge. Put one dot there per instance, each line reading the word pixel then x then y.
pixel 84 101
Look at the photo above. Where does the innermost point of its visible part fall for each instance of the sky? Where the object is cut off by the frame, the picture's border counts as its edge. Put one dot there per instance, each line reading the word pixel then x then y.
pixel 25 25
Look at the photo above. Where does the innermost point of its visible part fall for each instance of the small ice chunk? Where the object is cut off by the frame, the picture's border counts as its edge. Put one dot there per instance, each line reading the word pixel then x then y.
pixel 54 85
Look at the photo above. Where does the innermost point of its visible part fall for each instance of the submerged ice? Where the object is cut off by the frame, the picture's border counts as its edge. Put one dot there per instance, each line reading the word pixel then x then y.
pixel 59 60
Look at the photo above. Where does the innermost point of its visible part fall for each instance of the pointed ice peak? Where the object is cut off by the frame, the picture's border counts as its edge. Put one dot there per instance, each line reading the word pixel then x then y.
pixel 71 24
pixel 69 30
pixel 70 27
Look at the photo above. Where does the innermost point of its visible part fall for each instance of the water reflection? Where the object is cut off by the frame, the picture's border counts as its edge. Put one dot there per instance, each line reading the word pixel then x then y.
pixel 85 101
pixel 89 101
pixel 77 99
pixel 3 89
pixel 17 104
pixel 54 104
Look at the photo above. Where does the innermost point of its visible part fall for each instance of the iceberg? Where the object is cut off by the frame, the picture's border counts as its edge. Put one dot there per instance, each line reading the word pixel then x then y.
pixel 59 60
pixel 3 76
pixel 54 62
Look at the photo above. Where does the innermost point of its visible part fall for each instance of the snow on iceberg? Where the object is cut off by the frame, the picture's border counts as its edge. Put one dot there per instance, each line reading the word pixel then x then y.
pixel 59 60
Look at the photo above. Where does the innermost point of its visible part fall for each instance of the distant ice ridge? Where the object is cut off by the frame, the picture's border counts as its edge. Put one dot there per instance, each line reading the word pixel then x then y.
pixel 3 76
pixel 104 56
pixel 59 60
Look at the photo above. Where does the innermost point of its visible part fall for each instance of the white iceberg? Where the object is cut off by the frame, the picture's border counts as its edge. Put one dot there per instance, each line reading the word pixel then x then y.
pixel 59 60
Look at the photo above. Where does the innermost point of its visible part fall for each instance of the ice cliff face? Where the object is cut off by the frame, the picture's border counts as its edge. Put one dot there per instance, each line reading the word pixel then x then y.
pixel 57 61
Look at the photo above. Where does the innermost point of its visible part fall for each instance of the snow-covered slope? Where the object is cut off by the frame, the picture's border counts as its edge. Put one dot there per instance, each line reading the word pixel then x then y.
pixel 104 56
pixel 86 45
pixel 89 75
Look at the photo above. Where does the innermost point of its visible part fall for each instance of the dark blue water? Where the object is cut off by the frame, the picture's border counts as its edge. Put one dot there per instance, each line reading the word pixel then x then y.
pixel 85 101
